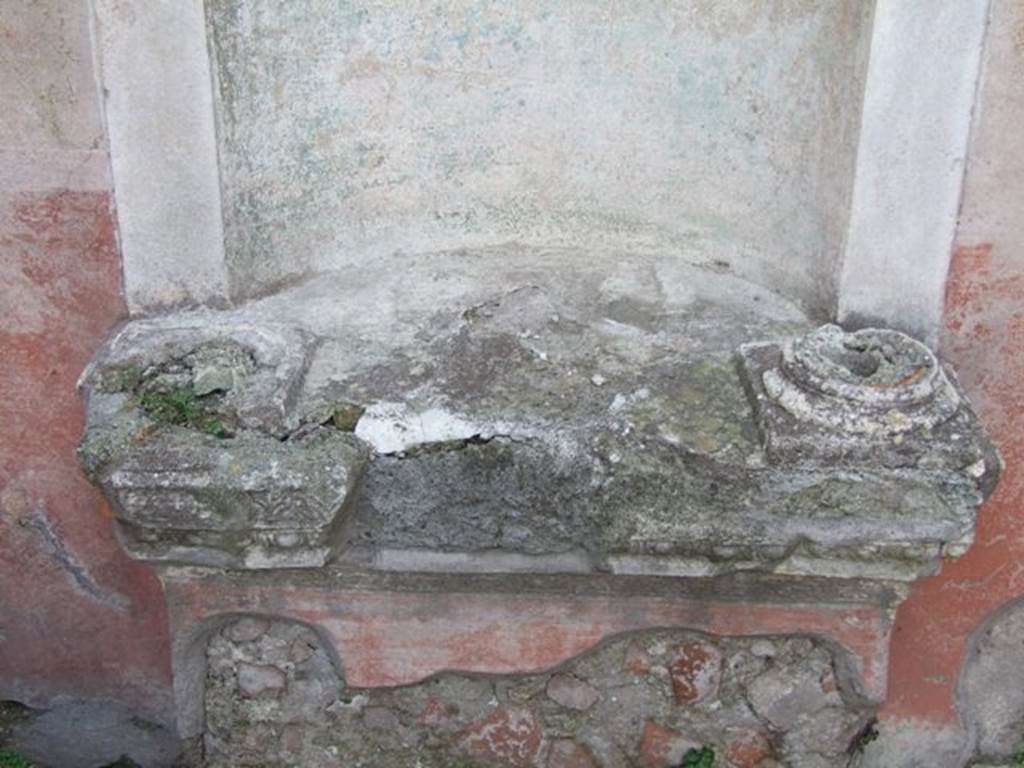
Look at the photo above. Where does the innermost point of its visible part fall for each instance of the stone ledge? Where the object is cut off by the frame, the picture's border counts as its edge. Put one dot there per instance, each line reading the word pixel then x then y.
pixel 507 416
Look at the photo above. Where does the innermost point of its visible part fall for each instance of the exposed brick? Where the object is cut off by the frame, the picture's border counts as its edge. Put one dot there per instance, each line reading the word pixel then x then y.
pixel 566 753
pixel 636 659
pixel 571 692
pixel 749 750
pixel 436 713
pixel 696 672
pixel 662 747
pixel 507 737
pixel 828 681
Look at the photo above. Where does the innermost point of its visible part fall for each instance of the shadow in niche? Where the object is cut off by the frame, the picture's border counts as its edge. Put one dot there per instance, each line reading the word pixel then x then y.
pixel 190 665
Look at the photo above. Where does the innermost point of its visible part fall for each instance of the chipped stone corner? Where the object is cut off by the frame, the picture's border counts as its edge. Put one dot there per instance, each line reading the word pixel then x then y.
pixel 193 436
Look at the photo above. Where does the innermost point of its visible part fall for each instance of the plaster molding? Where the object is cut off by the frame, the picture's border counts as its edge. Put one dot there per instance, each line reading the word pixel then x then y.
pixel 158 97
pixel 918 102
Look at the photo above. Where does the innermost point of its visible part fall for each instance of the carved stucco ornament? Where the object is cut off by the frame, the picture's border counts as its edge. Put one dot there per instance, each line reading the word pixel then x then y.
pixel 869 382
pixel 193 437
pixel 874 396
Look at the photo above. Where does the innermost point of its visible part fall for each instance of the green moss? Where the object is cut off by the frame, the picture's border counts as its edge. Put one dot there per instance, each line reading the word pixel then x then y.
pixel 11 759
pixel 346 416
pixel 216 428
pixel 699 758
pixel 121 379
pixel 180 407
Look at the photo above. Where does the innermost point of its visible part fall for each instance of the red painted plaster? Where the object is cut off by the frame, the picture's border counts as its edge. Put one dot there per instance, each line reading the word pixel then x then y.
pixel 397 638
pixel 984 340
pixel 77 617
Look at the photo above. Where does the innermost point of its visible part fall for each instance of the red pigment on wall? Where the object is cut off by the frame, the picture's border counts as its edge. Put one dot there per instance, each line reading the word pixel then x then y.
pixel 984 341
pixel 78 617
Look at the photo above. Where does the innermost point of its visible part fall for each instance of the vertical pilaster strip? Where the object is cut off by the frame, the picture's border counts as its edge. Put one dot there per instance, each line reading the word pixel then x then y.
pixel 158 97
pixel 919 97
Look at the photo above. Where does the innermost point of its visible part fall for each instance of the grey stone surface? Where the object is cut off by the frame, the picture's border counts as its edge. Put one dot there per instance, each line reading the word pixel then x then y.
pixel 874 397
pixel 455 721
pixel 571 692
pixel 185 438
pixel 470 377
pixel 256 681
pixel 257 367
pixel 95 734
pixel 914 744
pixel 250 501
pixel 991 687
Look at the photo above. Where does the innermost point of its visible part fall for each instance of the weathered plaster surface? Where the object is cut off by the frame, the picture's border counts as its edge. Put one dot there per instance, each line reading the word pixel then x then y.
pixel 399 629
pixel 51 134
pixel 589 415
pixel 992 685
pixel 77 617
pixel 159 113
pixel 49 94
pixel 707 132
pixel 920 90
pixel 983 336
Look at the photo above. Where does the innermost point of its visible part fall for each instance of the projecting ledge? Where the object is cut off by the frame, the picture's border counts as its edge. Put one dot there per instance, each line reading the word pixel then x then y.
pixel 493 412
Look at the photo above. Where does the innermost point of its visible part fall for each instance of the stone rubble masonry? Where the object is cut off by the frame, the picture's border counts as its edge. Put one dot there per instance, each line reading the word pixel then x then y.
pixel 451 720
pixel 391 630
pixel 572 692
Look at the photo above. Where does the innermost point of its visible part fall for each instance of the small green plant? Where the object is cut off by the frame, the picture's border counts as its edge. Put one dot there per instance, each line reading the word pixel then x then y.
pixel 866 736
pixel 11 759
pixel 699 758
pixel 1018 761
pixel 180 407
pixel 346 416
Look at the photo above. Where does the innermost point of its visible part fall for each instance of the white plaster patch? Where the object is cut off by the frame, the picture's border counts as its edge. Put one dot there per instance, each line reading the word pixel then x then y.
pixel 395 427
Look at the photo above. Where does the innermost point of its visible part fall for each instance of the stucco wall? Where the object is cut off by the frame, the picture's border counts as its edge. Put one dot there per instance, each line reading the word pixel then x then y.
pixel 710 132
pixel 77 617
pixel 983 337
